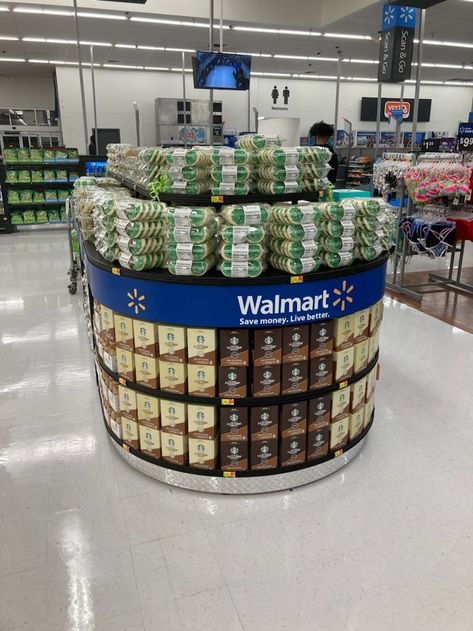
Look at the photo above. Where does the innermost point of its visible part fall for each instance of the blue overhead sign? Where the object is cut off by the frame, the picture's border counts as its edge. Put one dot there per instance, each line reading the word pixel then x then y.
pixel 397 43
pixel 402 17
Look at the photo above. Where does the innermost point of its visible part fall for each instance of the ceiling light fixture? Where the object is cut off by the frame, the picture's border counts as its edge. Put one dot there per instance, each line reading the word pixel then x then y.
pixel 156 68
pixel 102 16
pixel 123 66
pixel 434 42
pixel 125 46
pixel 4 9
pixel 9 38
pixel 346 36
pixel 150 47
pixel 42 11
pixel 13 59
pixel 180 50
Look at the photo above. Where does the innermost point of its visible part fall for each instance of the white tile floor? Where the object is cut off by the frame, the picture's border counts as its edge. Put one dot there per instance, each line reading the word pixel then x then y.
pixel 87 543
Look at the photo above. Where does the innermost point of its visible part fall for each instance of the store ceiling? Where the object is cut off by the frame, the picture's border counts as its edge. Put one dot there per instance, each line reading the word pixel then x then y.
pixel 450 21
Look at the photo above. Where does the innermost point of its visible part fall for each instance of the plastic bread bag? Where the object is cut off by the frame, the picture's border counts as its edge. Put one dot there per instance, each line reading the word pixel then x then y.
pixel 315 154
pixel 186 267
pixel 188 188
pixel 109 253
pixel 368 206
pixel 153 155
pixel 140 210
pixel 295 266
pixel 183 234
pixel 191 251
pixel 186 173
pixel 368 252
pixel 226 156
pixel 296 214
pixel 336 211
pixel 337 244
pixel 140 262
pixel 105 237
pixel 190 157
pixel 278 156
pixel 242 251
pixel 257 141
pixel 195 217
pixel 338 259
pixel 140 246
pixel 315 170
pixel 316 184
pixel 242 234
pixel 230 188
pixel 239 174
pixel 302 232
pixel 294 249
pixel 246 214
pixel 288 173
pixel 268 187
pixel 364 237
pixel 242 269
pixel 343 228
pixel 104 223
pixel 136 229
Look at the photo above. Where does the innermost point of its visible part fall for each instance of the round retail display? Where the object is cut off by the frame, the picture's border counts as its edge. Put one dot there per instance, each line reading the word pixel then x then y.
pixel 235 385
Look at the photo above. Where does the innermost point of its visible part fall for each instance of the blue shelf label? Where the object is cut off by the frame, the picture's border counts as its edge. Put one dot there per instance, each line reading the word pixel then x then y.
pixel 194 304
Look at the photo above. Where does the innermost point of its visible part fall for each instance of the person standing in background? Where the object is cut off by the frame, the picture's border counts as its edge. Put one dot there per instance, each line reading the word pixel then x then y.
pixel 322 132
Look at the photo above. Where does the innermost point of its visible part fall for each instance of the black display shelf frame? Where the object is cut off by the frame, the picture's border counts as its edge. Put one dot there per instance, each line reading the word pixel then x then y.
pixel 70 164
pixel 241 401
pixel 42 184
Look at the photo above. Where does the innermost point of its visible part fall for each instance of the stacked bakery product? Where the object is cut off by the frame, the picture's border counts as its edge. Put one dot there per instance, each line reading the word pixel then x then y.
pixel 337 230
pixel 231 171
pixel 87 190
pixel 191 240
pixel 130 231
pixel 374 227
pixel 314 166
pixel 151 165
pixel 278 170
pixel 294 238
pixel 187 170
pixel 242 246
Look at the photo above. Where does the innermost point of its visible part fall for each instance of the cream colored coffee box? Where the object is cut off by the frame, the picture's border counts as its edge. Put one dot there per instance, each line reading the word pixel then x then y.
pixel 146 338
pixel 361 355
pixel 202 380
pixel 126 364
pixel 116 424
pixel 97 322
pixel 369 409
pixel 107 322
pixel 376 315
pixel 173 417
pixel 202 346
pixel 340 404
pixel 130 430
pixel 343 362
pixel 201 421
pixel 174 448
pixel 356 423
pixel 173 377
pixel 127 398
pixel 203 453
pixel 150 440
pixel 371 382
pixel 361 325
pixel 358 393
pixel 147 371
pixel 343 332
pixel 148 410
pixel 99 346
pixel 124 332
pixel 110 355
pixel 374 345
pixel 113 397
pixel 339 433
pixel 172 343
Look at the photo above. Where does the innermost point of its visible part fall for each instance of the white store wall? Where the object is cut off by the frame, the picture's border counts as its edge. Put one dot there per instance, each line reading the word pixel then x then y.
pixel 26 92
pixel 310 100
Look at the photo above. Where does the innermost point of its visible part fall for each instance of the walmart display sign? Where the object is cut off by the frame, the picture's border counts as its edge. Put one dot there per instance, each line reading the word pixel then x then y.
pixel 194 304
pixel 397 43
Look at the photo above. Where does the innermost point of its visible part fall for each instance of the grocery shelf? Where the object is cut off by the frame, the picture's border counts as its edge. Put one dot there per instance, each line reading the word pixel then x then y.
pixel 242 401
pixel 27 185
pixel 31 165
pixel 27 205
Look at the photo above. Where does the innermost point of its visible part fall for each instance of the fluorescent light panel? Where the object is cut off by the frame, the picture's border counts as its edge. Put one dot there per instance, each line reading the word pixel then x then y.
pixel 9 38
pixel 12 59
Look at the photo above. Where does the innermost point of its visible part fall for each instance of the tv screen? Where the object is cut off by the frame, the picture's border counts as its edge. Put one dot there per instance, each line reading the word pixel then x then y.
pixel 221 71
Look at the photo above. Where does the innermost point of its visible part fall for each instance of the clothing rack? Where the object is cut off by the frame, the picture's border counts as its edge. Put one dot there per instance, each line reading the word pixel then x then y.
pixel 437 211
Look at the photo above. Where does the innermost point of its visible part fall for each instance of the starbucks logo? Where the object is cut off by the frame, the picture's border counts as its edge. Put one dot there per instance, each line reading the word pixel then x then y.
pixel 234 417
pixel 200 416
pixel 200 339
pixel 268 339
pixel 296 337
pixel 323 366
pixel 294 445
pixel 265 416
pixel 170 337
pixel 172 411
pixel 171 371
pixel 234 340
pixel 234 451
pixel 200 448
pixel 232 376
pixel 295 372
pixel 201 374
pixel 264 449
pixel 267 374
pixel 295 413
pixel 323 332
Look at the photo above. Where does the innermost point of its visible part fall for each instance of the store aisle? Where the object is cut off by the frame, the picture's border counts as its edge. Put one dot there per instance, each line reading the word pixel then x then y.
pixel 86 543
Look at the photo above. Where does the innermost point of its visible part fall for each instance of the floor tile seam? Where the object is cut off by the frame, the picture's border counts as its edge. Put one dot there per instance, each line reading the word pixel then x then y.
pixel 138 594
pixel 62 563
pixel 235 608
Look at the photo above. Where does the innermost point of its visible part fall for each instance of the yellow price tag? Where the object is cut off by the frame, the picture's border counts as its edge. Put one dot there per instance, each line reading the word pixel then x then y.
pixel 216 199
pixel 338 453
pixel 125 447
pixel 343 384
pixel 228 401
pixel 116 270
pixel 229 474
pixel 122 381
pixel 296 279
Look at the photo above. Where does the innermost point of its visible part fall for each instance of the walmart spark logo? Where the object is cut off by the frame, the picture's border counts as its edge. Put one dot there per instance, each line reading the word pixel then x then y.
pixel 407 15
pixel 343 296
pixel 389 15
pixel 136 301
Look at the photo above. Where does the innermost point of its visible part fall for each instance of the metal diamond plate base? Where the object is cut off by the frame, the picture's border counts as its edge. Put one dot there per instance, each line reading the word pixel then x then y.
pixel 233 486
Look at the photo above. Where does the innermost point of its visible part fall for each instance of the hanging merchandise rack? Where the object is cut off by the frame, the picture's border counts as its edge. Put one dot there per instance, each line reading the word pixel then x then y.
pixel 438 186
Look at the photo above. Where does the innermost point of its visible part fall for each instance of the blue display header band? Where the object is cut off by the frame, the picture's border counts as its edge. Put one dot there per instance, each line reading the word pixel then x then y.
pixel 394 15
pixel 227 306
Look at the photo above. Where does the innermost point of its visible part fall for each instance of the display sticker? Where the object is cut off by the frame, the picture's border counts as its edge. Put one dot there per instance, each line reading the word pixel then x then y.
pixel 291 187
pixel 184 267
pixel 240 252
pixel 179 186
pixel 347 244
pixel 184 250
pixel 227 188
pixel 179 157
pixel 307 264
pixel 229 173
pixel 227 156
pixel 240 234
pixel 239 269
pixel 309 231
pixel 348 228
pixel 182 235
pixel 252 214
pixel 311 248
pixel 292 173
pixel 182 216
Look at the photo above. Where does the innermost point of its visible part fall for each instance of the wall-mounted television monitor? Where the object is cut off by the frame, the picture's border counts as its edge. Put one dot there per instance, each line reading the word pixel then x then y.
pixel 221 71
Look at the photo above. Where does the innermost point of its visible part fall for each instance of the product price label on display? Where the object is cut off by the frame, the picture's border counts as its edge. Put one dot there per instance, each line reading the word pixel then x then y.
pixel 240 305
pixel 465 136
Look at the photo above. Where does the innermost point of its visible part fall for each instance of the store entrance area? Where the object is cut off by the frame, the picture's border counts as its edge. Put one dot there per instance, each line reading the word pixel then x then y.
pixel 88 543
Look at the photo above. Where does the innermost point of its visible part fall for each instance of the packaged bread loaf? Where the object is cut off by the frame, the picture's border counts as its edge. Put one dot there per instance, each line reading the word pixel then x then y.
pixel 242 234
pixel 295 265
pixel 245 215
pixel 195 217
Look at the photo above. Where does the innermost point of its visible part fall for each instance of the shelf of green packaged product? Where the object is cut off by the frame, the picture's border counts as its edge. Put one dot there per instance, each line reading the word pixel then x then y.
pixel 183 199
pixel 29 165
pixel 27 205
pixel 27 185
